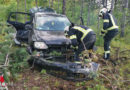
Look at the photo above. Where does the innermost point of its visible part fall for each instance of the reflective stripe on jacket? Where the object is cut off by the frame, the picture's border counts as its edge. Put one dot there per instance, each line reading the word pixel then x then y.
pixel 109 22
pixel 84 31
pixel 78 33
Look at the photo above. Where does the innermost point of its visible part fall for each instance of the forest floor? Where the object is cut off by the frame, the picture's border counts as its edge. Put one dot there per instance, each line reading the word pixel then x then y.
pixel 113 75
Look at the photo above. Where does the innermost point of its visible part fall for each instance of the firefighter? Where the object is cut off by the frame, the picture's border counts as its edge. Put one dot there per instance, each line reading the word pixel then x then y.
pixel 109 31
pixel 82 38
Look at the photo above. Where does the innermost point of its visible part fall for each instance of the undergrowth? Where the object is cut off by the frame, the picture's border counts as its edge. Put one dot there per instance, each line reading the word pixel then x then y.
pixel 17 56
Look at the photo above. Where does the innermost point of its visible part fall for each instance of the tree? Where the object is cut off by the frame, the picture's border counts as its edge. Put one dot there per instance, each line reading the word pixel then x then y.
pixel 73 10
pixel 112 5
pixel 115 3
pixel 51 3
pixel 17 8
pixel 17 5
pixel 106 3
pixel 99 21
pixel 103 2
pixel 36 3
pixel 81 12
pixel 25 11
pixel 88 16
pixel 64 7
pixel 129 4
pixel 58 6
pixel 125 6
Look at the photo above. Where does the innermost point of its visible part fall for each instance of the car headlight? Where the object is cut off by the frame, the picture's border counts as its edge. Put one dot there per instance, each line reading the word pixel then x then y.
pixel 40 45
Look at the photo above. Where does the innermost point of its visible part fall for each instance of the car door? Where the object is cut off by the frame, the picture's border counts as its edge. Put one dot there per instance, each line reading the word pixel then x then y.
pixel 19 20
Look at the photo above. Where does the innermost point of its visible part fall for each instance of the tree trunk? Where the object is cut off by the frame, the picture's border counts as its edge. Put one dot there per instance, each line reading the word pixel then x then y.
pixel 25 11
pixel 52 4
pixel 103 3
pixel 58 6
pixel 115 3
pixel 49 4
pixel 106 3
pixel 17 9
pixel 73 10
pixel 25 6
pixel 17 5
pixel 88 19
pixel 98 33
pixel 129 4
pixel 81 13
pixel 64 7
pixel 112 5
pixel 36 3
pixel 125 5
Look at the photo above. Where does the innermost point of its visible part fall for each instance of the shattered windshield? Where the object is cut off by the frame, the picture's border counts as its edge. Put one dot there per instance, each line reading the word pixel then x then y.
pixel 46 22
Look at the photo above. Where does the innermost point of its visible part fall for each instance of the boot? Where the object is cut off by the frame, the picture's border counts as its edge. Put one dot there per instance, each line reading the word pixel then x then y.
pixel 106 56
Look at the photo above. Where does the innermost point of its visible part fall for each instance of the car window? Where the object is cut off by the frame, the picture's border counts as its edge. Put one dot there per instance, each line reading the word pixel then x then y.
pixel 20 17
pixel 51 23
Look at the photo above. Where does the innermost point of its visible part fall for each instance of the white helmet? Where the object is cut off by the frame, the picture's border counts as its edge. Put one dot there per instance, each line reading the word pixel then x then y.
pixel 102 11
pixel 66 29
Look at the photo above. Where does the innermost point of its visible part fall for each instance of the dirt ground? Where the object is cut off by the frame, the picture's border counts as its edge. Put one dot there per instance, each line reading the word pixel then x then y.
pixel 33 80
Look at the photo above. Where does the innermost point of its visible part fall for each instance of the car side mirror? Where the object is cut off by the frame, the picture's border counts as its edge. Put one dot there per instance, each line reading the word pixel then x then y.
pixel 28 27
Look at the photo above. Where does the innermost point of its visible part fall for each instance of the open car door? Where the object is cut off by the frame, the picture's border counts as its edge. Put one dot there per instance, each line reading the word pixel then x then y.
pixel 19 20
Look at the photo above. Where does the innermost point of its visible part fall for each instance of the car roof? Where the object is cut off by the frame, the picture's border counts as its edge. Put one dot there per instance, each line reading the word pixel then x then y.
pixel 50 14
pixel 41 9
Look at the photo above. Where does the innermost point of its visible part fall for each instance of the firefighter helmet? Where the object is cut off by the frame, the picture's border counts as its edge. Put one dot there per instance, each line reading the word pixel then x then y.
pixel 66 29
pixel 102 11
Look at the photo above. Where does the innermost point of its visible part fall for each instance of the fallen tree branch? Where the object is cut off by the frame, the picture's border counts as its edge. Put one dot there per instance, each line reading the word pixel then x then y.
pixel 105 77
pixel 112 74
pixel 3 66
pixel 7 59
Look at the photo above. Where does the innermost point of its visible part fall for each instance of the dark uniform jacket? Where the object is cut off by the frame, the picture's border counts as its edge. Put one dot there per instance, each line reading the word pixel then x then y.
pixel 77 34
pixel 109 22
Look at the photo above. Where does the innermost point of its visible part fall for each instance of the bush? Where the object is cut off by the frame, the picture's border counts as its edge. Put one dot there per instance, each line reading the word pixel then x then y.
pixel 17 56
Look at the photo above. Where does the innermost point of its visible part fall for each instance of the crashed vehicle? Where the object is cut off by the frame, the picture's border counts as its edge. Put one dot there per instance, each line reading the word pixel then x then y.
pixel 43 31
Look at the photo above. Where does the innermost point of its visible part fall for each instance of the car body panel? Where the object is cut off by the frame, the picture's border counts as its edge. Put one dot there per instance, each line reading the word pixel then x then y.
pixel 51 37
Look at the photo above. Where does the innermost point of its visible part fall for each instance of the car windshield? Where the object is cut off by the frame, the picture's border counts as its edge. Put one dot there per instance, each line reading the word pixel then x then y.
pixel 46 22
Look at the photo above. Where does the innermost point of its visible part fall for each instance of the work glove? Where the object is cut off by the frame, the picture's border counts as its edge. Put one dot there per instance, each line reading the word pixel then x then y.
pixel 103 32
pixel 74 47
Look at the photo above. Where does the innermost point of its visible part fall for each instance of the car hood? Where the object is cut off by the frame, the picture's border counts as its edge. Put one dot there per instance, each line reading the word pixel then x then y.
pixel 51 37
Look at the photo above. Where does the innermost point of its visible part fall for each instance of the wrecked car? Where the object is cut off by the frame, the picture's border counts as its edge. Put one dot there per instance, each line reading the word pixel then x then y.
pixel 43 30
